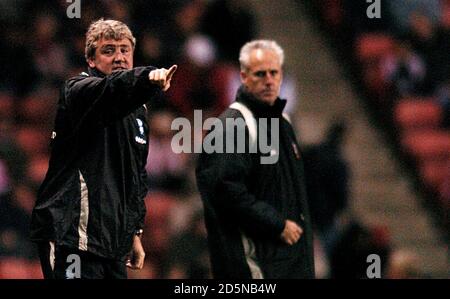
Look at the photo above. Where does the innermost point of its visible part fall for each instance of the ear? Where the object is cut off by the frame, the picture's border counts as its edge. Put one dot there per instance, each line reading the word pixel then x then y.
pixel 91 63
pixel 244 76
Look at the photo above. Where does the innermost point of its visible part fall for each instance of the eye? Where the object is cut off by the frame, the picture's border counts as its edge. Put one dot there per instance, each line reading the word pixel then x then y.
pixel 260 74
pixel 274 73
pixel 108 51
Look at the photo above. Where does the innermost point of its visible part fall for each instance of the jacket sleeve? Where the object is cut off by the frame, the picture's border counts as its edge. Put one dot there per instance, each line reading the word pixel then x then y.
pixel 92 99
pixel 223 180
pixel 142 195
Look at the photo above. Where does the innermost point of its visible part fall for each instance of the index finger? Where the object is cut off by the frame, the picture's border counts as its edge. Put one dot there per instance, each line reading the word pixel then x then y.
pixel 172 70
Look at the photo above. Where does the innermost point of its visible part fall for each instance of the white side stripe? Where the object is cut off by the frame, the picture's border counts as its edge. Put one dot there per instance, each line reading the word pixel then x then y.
pixel 287 117
pixel 250 121
pixel 84 215
pixel 52 255
pixel 250 257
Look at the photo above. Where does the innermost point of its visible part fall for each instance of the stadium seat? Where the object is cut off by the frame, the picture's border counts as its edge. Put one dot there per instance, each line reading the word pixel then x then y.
pixel 38 109
pixel 19 268
pixel 434 173
pixel 417 113
pixel 373 46
pixel 427 144
pixel 37 168
pixel 32 140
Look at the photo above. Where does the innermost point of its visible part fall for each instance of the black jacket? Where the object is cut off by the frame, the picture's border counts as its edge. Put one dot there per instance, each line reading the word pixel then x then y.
pixel 92 197
pixel 243 196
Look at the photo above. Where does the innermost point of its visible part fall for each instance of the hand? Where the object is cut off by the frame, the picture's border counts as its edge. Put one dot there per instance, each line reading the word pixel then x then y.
pixel 162 77
pixel 291 233
pixel 137 255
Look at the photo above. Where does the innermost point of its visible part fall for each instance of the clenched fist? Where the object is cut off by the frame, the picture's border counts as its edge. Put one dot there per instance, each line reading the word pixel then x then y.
pixel 291 233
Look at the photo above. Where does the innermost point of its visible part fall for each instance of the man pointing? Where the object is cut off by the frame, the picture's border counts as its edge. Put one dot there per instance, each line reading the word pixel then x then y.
pixel 91 203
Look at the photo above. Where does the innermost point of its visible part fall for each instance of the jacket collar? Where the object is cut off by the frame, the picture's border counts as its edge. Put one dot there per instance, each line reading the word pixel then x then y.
pixel 258 107
pixel 95 73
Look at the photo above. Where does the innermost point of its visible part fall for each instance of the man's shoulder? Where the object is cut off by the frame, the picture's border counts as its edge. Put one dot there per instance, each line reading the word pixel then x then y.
pixel 79 81
pixel 230 113
pixel 79 76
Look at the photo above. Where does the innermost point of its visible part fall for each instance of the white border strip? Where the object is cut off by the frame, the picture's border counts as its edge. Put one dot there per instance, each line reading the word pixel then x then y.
pixel 84 215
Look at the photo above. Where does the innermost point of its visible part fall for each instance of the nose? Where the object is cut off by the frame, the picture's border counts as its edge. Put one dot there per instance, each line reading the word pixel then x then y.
pixel 269 78
pixel 119 57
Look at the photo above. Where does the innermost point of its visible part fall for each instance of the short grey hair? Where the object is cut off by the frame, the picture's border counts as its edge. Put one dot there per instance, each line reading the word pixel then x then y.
pixel 107 29
pixel 263 44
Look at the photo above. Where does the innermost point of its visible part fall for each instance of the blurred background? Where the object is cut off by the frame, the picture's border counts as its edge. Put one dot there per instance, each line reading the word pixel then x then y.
pixel 370 99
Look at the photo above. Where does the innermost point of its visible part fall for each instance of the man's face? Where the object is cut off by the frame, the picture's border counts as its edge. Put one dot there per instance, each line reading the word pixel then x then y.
pixel 264 75
pixel 112 55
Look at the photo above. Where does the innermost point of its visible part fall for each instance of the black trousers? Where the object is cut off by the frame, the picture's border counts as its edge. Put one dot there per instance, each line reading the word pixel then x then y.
pixel 64 263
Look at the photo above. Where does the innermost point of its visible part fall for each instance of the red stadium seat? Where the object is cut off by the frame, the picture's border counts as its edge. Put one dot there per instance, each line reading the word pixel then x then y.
pixel 427 144
pixel 32 140
pixel 417 113
pixel 38 109
pixel 37 168
pixel 373 46
pixel 434 173
pixel 370 48
pixel 19 268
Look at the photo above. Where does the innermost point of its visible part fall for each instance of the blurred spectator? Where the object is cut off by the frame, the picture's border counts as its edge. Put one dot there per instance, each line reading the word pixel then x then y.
pixel 18 70
pixel 49 54
pixel 184 21
pixel 321 261
pixel 401 10
pixel 443 96
pixel 188 256
pixel 403 264
pixel 349 257
pixel 423 38
pixel 443 45
pixel 119 10
pixel 166 170
pixel 152 50
pixel 11 154
pixel 356 21
pixel 4 178
pixel 327 176
pixel 444 194
pixel 210 82
pixel 230 24
pixel 157 233
pixel 188 204
pixel 15 211
pixel 404 70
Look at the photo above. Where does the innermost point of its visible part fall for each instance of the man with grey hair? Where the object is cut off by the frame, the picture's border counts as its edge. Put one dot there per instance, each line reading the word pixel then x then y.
pixel 257 214
pixel 90 210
